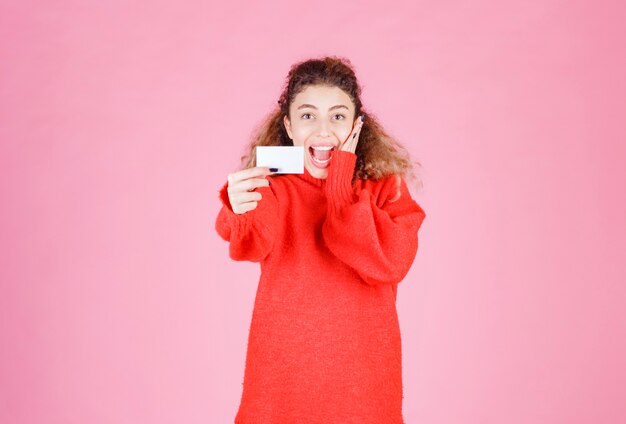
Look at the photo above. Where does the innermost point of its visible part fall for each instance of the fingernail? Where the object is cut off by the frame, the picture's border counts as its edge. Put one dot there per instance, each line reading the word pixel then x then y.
pixel 273 169
pixel 362 118
pixel 354 135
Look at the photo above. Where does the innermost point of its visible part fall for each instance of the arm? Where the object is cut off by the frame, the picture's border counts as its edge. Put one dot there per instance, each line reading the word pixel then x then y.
pixel 251 234
pixel 375 231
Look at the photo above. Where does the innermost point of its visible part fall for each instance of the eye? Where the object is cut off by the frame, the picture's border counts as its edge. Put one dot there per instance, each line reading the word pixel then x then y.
pixel 342 116
pixel 304 114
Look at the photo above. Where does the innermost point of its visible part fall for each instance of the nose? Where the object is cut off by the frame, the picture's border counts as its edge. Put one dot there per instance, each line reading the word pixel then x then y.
pixel 324 131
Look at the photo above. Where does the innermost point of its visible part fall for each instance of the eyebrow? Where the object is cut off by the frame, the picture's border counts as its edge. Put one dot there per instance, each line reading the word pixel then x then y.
pixel 313 107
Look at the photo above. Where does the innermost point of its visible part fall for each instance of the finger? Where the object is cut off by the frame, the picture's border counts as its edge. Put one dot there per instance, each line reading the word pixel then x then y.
pixel 347 141
pixel 247 196
pixel 357 131
pixel 245 207
pixel 242 200
pixel 249 184
pixel 347 145
pixel 350 144
pixel 245 174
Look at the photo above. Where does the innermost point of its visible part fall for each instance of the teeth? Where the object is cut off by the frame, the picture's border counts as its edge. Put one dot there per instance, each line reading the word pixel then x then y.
pixel 322 147
pixel 320 161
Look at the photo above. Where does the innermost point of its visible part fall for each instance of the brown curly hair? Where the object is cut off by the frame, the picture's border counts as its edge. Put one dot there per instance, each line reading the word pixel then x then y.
pixel 378 154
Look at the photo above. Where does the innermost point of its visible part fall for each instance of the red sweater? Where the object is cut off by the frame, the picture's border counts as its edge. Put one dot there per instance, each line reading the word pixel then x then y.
pixel 324 343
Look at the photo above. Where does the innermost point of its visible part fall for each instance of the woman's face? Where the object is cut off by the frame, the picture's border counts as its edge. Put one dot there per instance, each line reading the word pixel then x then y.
pixel 321 117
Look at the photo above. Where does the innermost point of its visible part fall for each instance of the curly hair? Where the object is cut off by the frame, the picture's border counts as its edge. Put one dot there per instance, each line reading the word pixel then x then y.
pixel 378 154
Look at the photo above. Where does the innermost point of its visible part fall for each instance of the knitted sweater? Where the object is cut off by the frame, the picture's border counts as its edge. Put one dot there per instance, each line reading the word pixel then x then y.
pixel 324 343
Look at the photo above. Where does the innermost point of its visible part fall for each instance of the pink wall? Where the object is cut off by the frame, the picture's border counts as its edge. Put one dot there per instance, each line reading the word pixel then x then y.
pixel 119 121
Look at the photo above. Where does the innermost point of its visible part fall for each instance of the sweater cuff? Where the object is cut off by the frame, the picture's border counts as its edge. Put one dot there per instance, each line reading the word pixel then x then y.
pixel 339 190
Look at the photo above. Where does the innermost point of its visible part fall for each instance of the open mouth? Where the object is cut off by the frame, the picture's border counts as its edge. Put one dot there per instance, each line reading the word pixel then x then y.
pixel 321 154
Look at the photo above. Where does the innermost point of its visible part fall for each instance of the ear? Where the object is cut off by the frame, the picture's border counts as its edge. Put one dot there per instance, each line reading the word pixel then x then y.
pixel 287 125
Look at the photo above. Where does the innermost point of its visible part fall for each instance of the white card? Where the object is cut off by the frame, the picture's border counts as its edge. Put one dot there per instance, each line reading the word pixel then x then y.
pixel 288 159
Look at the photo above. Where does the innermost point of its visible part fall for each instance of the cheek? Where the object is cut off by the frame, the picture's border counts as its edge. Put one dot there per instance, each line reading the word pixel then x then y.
pixel 343 132
pixel 300 134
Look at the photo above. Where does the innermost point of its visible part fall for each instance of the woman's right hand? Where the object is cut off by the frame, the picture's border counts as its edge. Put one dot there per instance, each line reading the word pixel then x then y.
pixel 240 185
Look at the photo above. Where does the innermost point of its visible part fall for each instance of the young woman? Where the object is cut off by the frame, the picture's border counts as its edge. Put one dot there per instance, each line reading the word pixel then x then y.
pixel 332 243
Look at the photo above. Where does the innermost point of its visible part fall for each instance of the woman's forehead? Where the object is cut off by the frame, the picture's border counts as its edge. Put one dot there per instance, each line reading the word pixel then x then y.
pixel 322 97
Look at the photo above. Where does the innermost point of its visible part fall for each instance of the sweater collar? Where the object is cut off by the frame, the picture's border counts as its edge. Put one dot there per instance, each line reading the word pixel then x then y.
pixel 306 176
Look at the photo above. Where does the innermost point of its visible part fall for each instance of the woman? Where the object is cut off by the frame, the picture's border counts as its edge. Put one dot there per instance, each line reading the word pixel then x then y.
pixel 333 243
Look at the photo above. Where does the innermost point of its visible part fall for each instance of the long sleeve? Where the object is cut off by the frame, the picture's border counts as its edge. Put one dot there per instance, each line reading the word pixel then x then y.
pixel 251 234
pixel 375 231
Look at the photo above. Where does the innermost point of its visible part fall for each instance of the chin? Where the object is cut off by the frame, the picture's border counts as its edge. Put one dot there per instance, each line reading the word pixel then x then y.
pixel 316 172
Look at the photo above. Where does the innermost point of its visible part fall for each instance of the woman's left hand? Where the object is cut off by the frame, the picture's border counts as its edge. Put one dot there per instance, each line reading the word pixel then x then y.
pixel 350 144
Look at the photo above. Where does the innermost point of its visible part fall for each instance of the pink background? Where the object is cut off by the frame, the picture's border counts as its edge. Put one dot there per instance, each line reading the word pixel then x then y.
pixel 121 119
